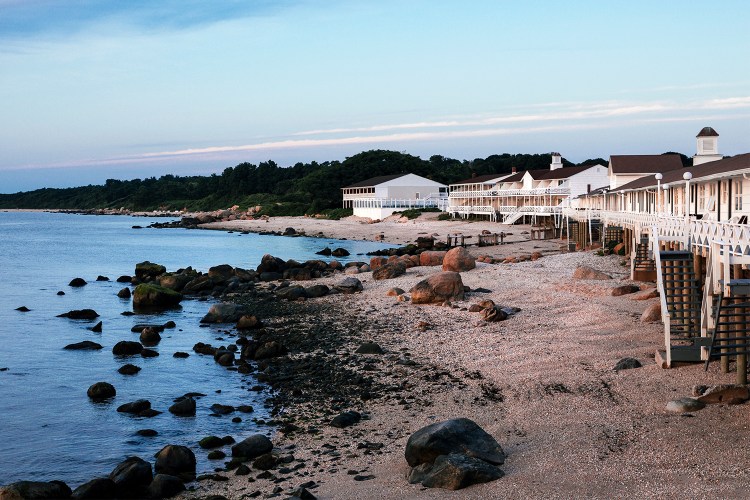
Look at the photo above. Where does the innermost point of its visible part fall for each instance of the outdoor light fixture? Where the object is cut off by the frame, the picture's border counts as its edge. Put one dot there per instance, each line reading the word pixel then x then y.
pixel 687 176
pixel 658 177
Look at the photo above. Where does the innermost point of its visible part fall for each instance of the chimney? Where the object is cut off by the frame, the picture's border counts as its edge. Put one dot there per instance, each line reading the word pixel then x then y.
pixel 556 161
pixel 513 170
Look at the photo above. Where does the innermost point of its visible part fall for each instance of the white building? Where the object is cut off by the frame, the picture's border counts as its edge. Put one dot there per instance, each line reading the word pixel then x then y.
pixel 380 197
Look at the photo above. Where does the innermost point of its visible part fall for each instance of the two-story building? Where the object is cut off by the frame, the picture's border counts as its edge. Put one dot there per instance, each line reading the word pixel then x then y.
pixel 379 197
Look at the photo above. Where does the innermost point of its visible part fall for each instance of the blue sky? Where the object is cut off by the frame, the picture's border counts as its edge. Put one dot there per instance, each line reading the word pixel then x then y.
pixel 93 89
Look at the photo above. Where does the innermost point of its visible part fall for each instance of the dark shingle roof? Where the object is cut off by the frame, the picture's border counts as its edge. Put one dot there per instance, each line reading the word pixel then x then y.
pixel 727 165
pixel 707 132
pixel 644 164
pixel 374 181
pixel 480 178
pixel 561 173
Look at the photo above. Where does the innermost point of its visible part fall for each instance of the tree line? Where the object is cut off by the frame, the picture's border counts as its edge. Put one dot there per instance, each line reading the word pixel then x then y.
pixel 303 188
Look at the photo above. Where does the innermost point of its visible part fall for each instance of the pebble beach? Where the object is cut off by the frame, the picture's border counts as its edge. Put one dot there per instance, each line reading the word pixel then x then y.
pixel 542 382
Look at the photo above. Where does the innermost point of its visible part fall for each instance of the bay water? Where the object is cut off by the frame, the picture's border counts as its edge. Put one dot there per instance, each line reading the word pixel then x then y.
pixel 50 429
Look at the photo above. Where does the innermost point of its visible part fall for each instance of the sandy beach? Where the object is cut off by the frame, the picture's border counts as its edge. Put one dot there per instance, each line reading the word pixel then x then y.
pixel 542 383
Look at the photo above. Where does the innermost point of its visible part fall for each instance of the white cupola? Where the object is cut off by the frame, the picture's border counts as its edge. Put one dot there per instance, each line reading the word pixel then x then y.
pixel 556 161
pixel 707 146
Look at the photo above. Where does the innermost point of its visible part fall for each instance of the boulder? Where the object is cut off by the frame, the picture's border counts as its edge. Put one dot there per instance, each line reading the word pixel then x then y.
pixel 425 242
pixel 128 369
pixel 270 350
pixel 348 285
pixel 369 348
pixel 131 477
pixel 494 313
pixel 298 274
pixel 649 293
pixel 99 488
pixel 101 391
pixel 97 328
pixel 209 442
pixel 176 282
pixel 376 262
pixel 459 435
pixel 685 405
pixel 346 419
pixel 291 293
pixel 150 336
pixel 80 314
pixel 165 486
pixel 177 461
pixel 221 274
pixel 389 271
pixel 252 447
pixel 124 279
pixel 652 313
pixel 270 264
pixel 394 292
pixel 224 312
pixel 438 288
pixel 248 322
pixel 432 258
pixel 198 284
pixel 454 472
pixel 22 490
pixel 183 408
pixel 326 252
pixel 725 394
pixel 135 407
pixel 624 290
pixel 148 296
pixel 458 259
pixel 127 348
pixel 77 282
pixel 316 291
pixel 146 270
pixel 267 461
pixel 340 252
pixel 85 345
pixel 589 273
pixel 627 364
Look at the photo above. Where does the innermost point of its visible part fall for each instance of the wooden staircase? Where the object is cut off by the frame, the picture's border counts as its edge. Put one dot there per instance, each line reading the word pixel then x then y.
pixel 643 267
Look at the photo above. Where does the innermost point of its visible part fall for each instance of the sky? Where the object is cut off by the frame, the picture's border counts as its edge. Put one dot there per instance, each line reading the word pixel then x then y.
pixel 97 89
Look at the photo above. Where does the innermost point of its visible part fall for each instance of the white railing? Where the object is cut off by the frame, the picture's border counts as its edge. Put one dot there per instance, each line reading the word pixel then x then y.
pixel 499 193
pixel 440 202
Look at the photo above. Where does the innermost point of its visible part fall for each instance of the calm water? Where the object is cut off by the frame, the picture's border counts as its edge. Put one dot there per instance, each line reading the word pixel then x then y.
pixel 49 427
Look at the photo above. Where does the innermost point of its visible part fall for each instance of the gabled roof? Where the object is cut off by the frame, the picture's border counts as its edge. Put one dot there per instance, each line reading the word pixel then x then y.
pixel 479 179
pixel 561 173
pixel 374 181
pixel 718 167
pixel 644 164
pixel 707 132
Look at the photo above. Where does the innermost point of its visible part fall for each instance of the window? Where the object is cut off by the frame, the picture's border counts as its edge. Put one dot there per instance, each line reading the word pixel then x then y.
pixel 702 197
pixel 724 188
pixel 738 194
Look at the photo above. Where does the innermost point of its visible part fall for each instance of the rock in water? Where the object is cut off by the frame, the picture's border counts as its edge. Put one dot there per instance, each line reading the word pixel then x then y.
pixel 183 408
pixel 85 345
pixel 79 314
pixel 150 336
pixel 148 269
pixel 252 447
pixel 147 296
pixel 77 282
pixel 454 472
pixel 438 288
pixel 124 293
pixel 459 435
pixel 23 309
pixel 127 348
pixel 101 391
pixel 97 328
pixel 128 369
pixel 458 260
pixel 132 477
pixel 95 489
pixel 136 406
pixel 177 461
pixel 34 489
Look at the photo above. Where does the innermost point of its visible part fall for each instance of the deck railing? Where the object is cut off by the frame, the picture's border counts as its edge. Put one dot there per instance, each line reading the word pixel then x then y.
pixel 499 193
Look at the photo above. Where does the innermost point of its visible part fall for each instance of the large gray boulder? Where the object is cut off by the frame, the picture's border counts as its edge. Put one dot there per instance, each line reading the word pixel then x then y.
pixel 460 435
pixel 34 490
pixel 99 488
pixel 165 486
pixel 147 270
pixel 154 297
pixel 132 477
pixel 252 447
pixel 454 472
pixel 101 391
pixel 224 312
pixel 348 285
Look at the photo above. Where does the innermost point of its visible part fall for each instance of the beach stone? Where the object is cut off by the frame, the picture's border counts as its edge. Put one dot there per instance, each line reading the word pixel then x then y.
pixel 252 447
pixel 124 279
pixel 221 273
pixel 326 252
pixel 85 345
pixel 376 262
pixel 369 348
pixel 102 278
pixel 269 350
pixel 494 313
pixel 685 405
pixel 79 314
pixel 224 312
pixel 346 419
pixel 652 313
pixel 141 326
pixel 220 409
pixel 270 276
pixel 441 287
pixel 150 296
pixel 432 257
pixel 303 493
pixel 589 273
pixel 394 292
pixel 627 364
pixel 316 291
pixel 97 328
pixel 248 322
pixel 136 406
pixel 291 293
pixel 209 442
pixel 270 264
pixel 165 486
pixel 148 269
pixel 340 252
pixel 624 290
pixel 131 477
pixel 101 487
pixel 454 472
pixel 216 455
pixel 23 309
pixel 351 270
pixel 183 408
pixel 298 274
pixel 176 282
pixel 198 284
pixel 335 265
pixel 349 285
pixel 128 369
pixel 460 435
pixel 181 354
pixel 77 282
pixel 458 259
pixel 649 293
pixel 147 432
pixel 101 390
pixel 150 336
pixel 389 271
pixel 726 394
pixel 176 460
pixel 127 348
pixel 23 490
pixel 267 461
